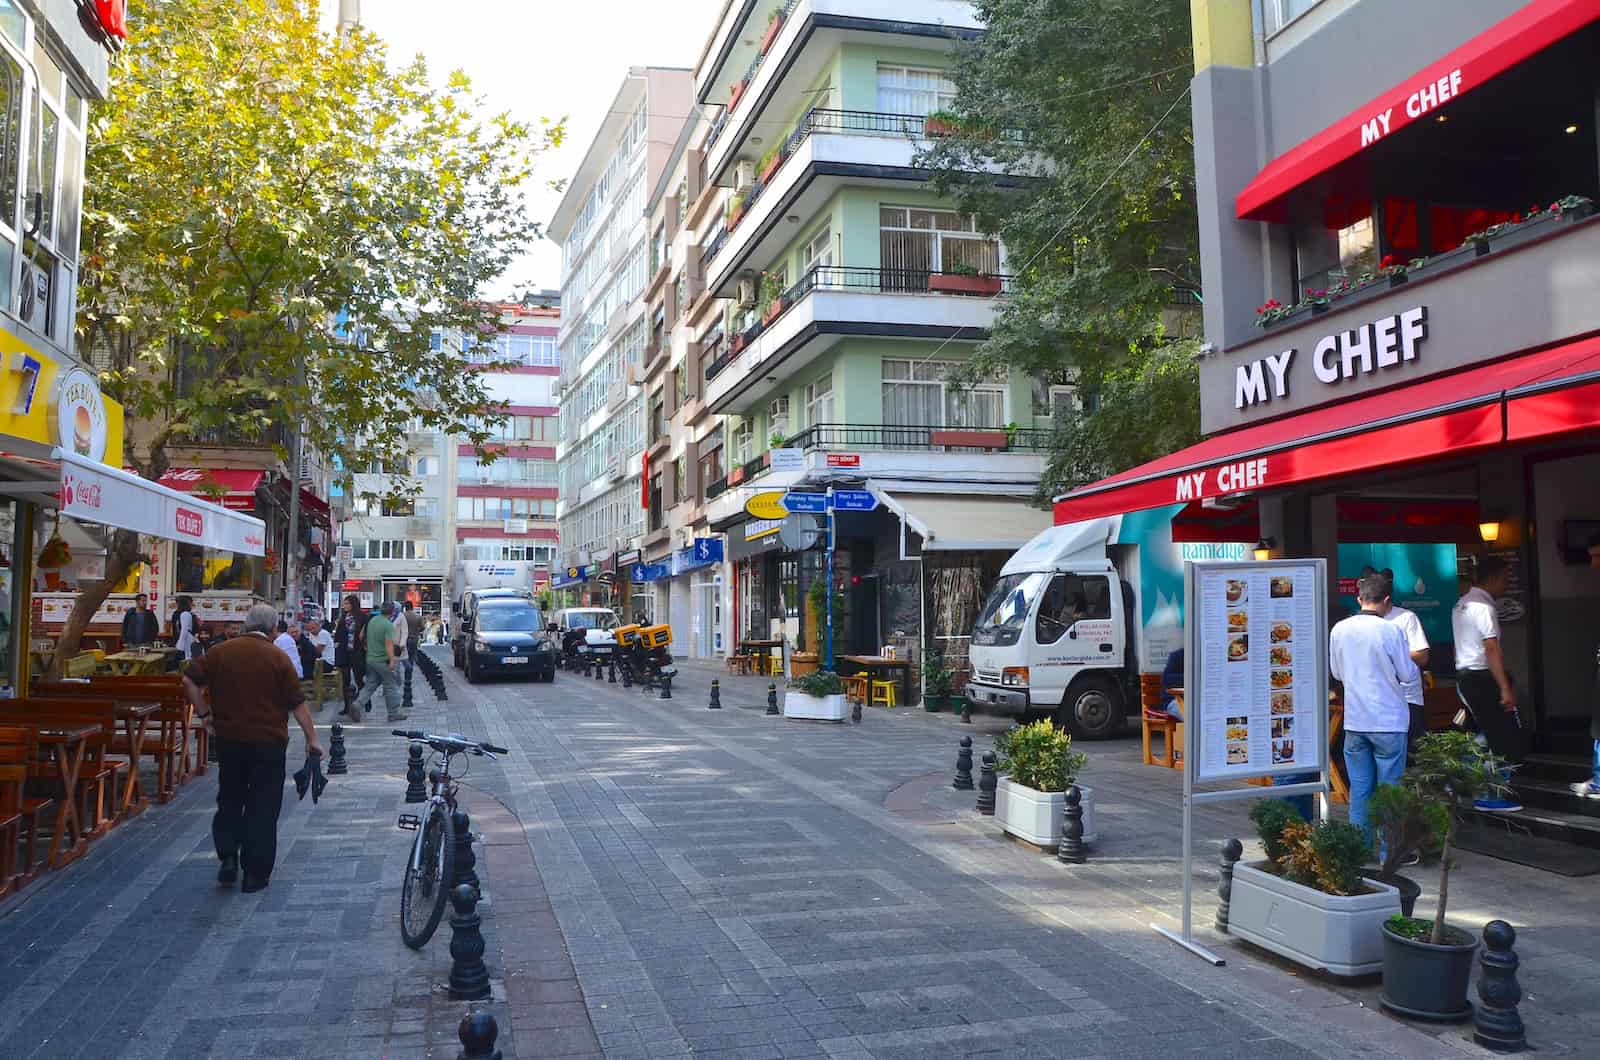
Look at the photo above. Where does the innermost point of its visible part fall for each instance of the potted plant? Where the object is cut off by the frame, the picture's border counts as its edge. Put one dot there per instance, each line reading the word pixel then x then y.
pixel 938 682
pixel 736 90
pixel 817 696
pixel 775 440
pixel 771 161
pixel 1406 826
pixel 774 24
pixel 1308 900
pixel 1427 964
pixel 961 278
pixel 940 123
pixel 1037 764
pixel 736 209
pixel 770 296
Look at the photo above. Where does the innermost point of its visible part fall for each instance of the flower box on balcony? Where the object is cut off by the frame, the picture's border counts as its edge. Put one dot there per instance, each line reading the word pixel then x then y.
pixel 772 166
pixel 735 91
pixel 773 27
pixel 736 343
pixel 735 215
pixel 955 283
pixel 932 126
pixel 774 311
pixel 969 439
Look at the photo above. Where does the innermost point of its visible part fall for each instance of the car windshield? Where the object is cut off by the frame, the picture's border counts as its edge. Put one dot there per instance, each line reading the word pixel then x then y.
pixel 591 620
pixel 1006 610
pixel 509 619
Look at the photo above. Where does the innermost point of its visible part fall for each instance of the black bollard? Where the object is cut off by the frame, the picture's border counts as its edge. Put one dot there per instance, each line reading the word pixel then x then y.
pixel 469 977
pixel 466 861
pixel 855 712
pixel 1232 851
pixel 966 713
pixel 599 669
pixel 963 781
pixel 416 789
pixel 477 1032
pixel 666 686
pixel 611 672
pixel 987 782
pixel 627 676
pixel 1496 1024
pixel 336 763
pixel 716 695
pixel 405 694
pixel 1072 851
pixel 772 697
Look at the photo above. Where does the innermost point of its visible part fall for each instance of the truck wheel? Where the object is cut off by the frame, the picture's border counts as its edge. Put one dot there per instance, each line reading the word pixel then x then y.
pixel 1092 710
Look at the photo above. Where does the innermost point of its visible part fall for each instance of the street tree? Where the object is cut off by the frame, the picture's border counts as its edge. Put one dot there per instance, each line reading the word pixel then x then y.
pixel 1070 140
pixel 278 218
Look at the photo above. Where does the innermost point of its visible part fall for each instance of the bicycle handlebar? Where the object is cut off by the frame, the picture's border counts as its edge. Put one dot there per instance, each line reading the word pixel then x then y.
pixel 450 742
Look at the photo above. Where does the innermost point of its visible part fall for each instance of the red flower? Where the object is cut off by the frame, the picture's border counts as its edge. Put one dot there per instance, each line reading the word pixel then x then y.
pixel 1387 262
pixel 1516 218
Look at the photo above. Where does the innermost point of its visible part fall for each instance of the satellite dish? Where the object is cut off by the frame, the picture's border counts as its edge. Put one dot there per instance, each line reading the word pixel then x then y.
pixel 799 532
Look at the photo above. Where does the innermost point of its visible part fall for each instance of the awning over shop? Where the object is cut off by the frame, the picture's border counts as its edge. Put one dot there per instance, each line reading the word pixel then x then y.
pixel 94 493
pixel 1514 39
pixel 1553 392
pixel 233 487
pixel 950 523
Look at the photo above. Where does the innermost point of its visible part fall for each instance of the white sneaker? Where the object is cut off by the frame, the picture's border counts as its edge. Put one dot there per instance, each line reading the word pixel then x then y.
pixel 1587 789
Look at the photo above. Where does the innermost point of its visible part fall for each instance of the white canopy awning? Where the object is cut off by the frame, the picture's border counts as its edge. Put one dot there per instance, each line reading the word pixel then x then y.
pixel 94 493
pixel 951 523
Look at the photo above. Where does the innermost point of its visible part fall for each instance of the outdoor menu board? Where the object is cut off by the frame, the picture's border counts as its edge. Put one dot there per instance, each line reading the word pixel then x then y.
pixel 1258 667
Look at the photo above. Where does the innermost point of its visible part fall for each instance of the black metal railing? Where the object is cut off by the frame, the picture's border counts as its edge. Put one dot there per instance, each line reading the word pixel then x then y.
pixel 917 436
pixel 749 76
pixel 858 278
pixel 718 241
pixel 717 488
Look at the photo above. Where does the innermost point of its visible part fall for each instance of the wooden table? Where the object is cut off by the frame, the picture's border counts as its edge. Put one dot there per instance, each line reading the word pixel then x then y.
pixel 154 661
pixel 67 745
pixel 134 718
pixel 762 650
pixel 871 664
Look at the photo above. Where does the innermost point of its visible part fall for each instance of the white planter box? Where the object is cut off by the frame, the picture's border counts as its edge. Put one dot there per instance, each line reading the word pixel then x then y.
pixel 1339 934
pixel 813 708
pixel 1036 815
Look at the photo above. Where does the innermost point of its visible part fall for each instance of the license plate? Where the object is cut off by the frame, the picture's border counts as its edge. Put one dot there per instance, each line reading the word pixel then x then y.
pixel 515 660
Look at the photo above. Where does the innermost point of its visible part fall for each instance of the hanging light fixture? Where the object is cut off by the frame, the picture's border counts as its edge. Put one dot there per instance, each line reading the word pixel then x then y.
pixel 1264 547
pixel 1489 530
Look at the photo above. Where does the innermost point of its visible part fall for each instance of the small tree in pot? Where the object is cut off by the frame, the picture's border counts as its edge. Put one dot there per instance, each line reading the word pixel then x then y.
pixel 1427 964
pixel 938 681
pixel 1407 825
pixel 1038 764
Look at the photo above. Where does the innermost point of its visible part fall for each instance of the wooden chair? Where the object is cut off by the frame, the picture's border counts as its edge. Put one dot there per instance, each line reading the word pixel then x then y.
pixel 19 815
pixel 168 744
pixel 855 687
pixel 99 780
pixel 1153 719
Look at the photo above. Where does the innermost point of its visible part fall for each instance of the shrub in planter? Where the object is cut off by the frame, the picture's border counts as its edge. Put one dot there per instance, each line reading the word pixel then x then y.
pixel 818 684
pixel 1426 966
pixel 1406 825
pixel 1308 901
pixel 938 681
pixel 1038 764
pixel 818 695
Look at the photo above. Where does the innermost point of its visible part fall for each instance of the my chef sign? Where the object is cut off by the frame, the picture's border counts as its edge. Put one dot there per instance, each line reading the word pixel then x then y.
pixel 1386 343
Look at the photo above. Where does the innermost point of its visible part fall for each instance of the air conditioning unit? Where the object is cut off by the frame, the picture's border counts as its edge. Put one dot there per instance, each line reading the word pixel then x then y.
pixel 744 174
pixel 747 291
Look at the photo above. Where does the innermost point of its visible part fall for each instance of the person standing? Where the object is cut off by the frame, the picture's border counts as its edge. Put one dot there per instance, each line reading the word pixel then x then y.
pixel 347 648
pixel 252 694
pixel 183 627
pixel 1482 681
pixel 285 643
pixel 413 642
pixel 383 670
pixel 1369 655
pixel 1417 646
pixel 140 625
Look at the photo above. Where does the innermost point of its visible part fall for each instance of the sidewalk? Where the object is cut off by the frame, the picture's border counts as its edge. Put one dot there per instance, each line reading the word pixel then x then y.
pixel 1134 878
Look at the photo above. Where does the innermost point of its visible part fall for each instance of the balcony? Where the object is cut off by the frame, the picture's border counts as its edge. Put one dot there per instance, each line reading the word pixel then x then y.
pixel 831 303
pixel 827 149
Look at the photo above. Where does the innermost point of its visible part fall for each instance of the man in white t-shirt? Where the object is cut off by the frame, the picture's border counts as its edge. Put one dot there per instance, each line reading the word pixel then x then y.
pixel 1417 645
pixel 1369 655
pixel 1482 681
pixel 322 640
pixel 285 642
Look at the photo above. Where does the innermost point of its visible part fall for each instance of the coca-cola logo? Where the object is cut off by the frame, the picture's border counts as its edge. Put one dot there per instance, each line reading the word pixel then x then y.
pixel 253 539
pixel 76 493
pixel 190 523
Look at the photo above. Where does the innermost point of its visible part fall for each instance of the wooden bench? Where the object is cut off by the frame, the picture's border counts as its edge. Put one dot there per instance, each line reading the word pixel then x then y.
pixel 98 779
pixel 169 744
pixel 19 814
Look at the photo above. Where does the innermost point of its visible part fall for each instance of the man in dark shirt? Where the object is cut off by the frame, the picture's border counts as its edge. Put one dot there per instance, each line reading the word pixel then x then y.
pixel 252 691
pixel 140 625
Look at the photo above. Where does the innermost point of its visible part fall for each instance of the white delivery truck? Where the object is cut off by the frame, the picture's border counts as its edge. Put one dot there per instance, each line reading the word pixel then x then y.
pixel 1078 614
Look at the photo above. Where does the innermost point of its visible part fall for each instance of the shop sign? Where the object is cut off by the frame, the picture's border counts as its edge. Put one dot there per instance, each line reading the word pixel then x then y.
pixel 844 459
pixel 352 585
pixel 757 529
pixel 854 500
pixel 650 572
pixel 786 459
pixel 1229 478
pixel 1429 97
pixel 28 366
pixel 765 506
pixel 1387 342
pixel 628 558
pixel 79 415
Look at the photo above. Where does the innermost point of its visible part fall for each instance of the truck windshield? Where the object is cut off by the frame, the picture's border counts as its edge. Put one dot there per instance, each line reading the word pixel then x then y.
pixel 1006 610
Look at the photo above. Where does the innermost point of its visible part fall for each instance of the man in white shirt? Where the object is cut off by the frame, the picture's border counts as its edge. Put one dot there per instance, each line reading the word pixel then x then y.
pixel 1417 645
pixel 322 640
pixel 1482 681
pixel 285 642
pixel 1370 656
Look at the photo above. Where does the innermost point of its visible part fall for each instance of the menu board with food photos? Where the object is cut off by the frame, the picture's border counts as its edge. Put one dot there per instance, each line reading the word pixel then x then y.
pixel 1258 644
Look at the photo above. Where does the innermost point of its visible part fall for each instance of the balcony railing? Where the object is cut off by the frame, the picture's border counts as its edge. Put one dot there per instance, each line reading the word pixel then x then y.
pixel 717 488
pixel 717 242
pixel 856 278
pixel 744 82
pixel 916 437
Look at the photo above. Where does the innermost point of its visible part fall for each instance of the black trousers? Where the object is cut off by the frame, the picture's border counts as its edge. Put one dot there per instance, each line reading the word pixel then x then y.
pixel 1481 696
pixel 249 797
pixel 352 673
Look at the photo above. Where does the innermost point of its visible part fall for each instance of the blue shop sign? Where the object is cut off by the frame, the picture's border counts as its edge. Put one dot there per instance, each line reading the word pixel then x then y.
pixel 703 553
pixel 650 572
pixel 570 576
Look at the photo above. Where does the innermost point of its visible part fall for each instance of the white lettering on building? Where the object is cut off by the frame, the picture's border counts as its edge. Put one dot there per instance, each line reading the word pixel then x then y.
pixel 1376 128
pixel 1432 95
pixel 1385 343
pixel 1190 487
pixel 1250 380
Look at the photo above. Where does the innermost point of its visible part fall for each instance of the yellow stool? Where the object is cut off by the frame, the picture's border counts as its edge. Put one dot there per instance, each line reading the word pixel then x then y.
pixel 883 692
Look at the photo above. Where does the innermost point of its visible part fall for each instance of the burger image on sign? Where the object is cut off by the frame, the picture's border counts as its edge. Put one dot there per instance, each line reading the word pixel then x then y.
pixel 79 413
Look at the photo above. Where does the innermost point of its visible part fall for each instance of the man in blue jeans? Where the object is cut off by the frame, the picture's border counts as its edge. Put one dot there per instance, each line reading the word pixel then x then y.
pixel 1370 655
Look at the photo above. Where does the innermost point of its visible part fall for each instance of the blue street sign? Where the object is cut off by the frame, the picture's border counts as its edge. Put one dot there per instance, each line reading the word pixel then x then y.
pixel 854 500
pixel 813 503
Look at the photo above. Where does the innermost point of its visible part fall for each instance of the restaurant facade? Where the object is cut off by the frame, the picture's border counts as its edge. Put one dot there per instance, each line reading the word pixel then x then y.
pixel 1403 313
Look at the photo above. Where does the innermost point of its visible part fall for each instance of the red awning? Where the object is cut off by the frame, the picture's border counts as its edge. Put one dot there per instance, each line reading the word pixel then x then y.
pixel 238 487
pixel 1530 30
pixel 1553 391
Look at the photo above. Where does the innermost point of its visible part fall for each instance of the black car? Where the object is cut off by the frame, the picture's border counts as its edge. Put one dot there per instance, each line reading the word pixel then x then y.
pixel 508 637
pixel 467 608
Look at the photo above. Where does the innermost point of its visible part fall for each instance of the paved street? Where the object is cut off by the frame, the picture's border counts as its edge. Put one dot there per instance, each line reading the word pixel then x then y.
pixel 665 880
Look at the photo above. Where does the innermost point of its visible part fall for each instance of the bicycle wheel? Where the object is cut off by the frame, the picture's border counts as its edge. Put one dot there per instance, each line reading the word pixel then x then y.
pixel 427 880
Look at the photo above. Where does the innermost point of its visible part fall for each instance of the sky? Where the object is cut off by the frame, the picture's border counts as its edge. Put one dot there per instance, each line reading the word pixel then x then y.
pixel 543 60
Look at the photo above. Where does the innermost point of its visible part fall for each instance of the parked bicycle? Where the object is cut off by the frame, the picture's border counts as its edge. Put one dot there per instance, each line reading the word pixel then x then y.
pixel 432 864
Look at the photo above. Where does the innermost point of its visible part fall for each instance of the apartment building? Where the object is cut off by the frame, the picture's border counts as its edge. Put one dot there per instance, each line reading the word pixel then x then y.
pixel 849 291
pixel 1401 253
pixel 600 224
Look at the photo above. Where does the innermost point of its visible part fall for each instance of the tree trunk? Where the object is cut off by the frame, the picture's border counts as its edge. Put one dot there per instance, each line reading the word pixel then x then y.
pixel 123 555
pixel 1444 886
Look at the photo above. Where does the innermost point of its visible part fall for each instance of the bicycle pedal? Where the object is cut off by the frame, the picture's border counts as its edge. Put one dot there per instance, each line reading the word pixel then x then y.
pixel 409 821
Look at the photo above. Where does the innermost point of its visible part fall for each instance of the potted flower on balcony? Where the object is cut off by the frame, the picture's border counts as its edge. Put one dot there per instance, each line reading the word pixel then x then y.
pixel 962 278
pixel 772 160
pixel 1427 963
pixel 1308 900
pixel 735 91
pixel 771 298
pixel 736 209
pixel 817 696
pixel 940 123
pixel 774 24
pixel 1038 764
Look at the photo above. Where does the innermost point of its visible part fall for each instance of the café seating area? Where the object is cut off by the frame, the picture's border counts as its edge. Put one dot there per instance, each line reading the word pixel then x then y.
pixel 81 756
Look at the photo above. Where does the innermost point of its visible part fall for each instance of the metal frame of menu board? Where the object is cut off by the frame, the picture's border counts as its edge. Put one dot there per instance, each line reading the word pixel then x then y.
pixel 1197 702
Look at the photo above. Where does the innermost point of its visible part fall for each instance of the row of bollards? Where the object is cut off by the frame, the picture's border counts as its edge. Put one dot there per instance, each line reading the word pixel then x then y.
pixel 1072 848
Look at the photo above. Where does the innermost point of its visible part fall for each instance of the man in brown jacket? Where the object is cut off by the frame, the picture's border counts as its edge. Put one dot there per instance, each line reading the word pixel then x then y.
pixel 253 690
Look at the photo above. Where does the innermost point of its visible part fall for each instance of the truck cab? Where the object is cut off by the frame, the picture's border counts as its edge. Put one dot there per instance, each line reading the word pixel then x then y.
pixel 1055 636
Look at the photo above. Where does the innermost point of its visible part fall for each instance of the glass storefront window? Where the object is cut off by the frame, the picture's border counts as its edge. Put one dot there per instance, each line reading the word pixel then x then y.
pixel 200 569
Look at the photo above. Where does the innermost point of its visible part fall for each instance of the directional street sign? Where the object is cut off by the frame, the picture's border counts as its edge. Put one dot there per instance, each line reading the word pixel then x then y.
pixel 815 503
pixel 854 500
